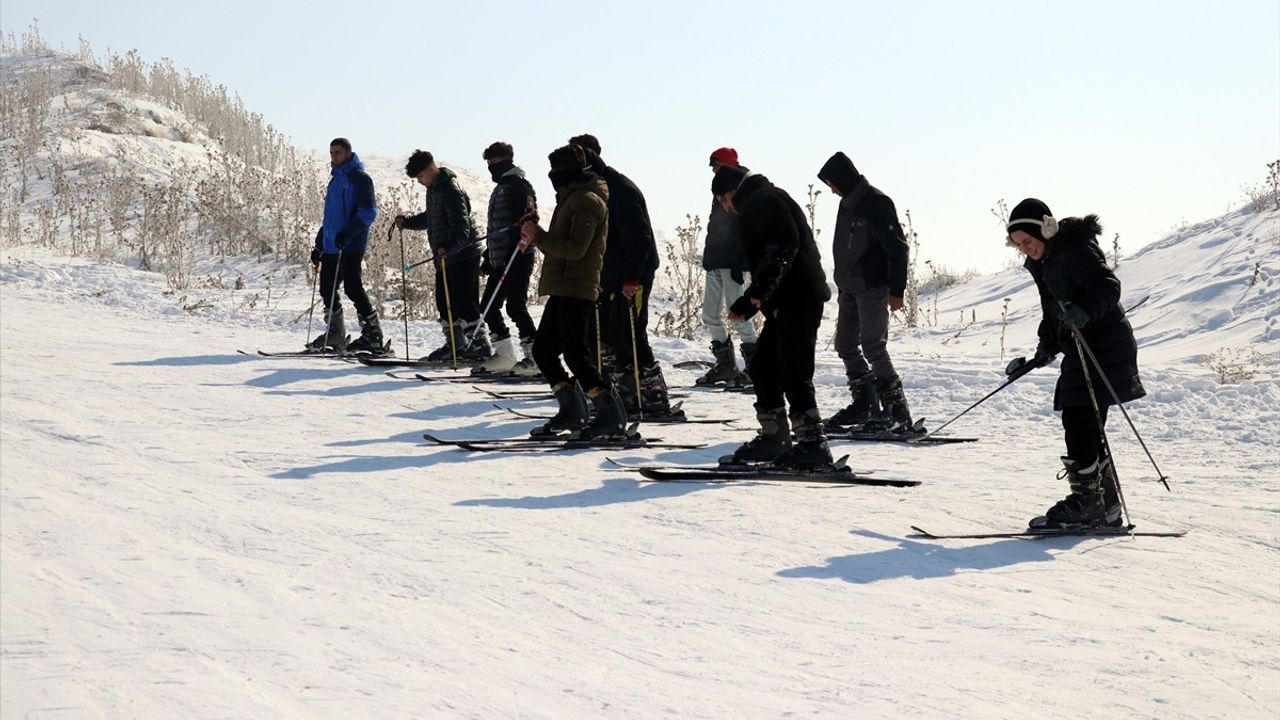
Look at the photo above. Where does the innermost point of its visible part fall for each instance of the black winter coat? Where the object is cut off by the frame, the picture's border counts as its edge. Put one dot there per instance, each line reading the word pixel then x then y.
pixel 723 250
pixel 786 267
pixel 630 252
pixel 448 219
pixel 868 219
pixel 511 199
pixel 1074 271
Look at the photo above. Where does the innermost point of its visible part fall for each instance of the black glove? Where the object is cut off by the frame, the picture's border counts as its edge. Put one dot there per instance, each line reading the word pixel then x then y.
pixel 1020 366
pixel 1075 317
pixel 736 276
pixel 340 240
pixel 316 255
pixel 744 307
pixel 486 266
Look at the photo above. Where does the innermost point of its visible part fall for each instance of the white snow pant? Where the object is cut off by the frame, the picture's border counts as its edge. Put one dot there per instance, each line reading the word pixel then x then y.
pixel 721 292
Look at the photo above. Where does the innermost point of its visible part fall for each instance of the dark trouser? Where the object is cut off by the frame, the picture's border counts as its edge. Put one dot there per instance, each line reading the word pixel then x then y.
pixel 615 317
pixel 563 331
pixel 349 275
pixel 514 294
pixel 464 289
pixel 1084 441
pixel 783 365
pixel 862 333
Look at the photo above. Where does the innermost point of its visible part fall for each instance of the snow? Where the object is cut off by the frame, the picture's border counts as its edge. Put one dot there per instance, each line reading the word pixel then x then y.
pixel 191 532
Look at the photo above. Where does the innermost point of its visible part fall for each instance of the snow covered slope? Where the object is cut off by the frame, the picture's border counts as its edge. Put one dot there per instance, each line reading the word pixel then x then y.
pixel 188 532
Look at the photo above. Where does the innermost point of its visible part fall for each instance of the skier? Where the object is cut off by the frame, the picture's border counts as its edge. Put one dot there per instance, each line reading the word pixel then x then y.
pixel 573 252
pixel 626 280
pixel 512 197
pixel 725 264
pixel 871 275
pixel 789 286
pixel 451 233
pixel 349 210
pixel 1078 292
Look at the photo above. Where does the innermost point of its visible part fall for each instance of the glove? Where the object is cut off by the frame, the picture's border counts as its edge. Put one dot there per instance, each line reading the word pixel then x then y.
pixel 1020 366
pixel 316 256
pixel 486 266
pixel 1075 317
pixel 744 308
pixel 737 276
pixel 398 221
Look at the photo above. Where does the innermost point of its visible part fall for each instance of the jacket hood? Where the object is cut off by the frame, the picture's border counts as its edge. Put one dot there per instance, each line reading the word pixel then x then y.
pixel 444 177
pixel 1070 230
pixel 590 183
pixel 840 172
pixel 353 164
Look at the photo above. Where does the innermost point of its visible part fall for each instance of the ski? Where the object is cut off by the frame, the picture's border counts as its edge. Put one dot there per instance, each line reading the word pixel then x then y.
pixel 535 394
pixel 332 354
pixel 492 379
pixel 562 442
pixel 637 467
pixel 655 421
pixel 1038 534
pixel 378 361
pixel 694 365
pixel 837 473
pixel 915 434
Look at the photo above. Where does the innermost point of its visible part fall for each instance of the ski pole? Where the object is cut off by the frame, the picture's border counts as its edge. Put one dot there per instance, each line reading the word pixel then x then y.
pixel 494 295
pixel 635 352
pixel 311 311
pixel 1102 428
pixel 599 343
pixel 1083 346
pixel 448 306
pixel 404 289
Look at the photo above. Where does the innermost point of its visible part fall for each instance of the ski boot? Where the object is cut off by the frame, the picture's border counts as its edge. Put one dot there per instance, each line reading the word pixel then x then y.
pixel 370 340
pixel 894 415
pixel 1086 506
pixel 743 379
pixel 474 342
pixel 571 415
pixel 866 403
pixel 653 393
pixel 335 335
pixel 444 353
pixel 503 360
pixel 726 367
pixel 610 417
pixel 771 440
pixel 527 367
pixel 810 448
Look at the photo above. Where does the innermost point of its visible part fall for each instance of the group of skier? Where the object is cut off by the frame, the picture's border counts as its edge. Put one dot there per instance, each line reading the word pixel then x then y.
pixel 599 263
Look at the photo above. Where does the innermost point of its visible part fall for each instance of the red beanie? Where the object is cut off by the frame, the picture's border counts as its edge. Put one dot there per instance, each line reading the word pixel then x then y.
pixel 725 156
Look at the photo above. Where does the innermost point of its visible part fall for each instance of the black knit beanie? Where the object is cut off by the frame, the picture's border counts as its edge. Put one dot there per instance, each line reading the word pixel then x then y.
pixel 1029 217
pixel 420 160
pixel 727 178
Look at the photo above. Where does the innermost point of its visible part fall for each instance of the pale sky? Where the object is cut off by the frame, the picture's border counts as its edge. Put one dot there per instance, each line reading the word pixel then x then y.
pixel 1149 114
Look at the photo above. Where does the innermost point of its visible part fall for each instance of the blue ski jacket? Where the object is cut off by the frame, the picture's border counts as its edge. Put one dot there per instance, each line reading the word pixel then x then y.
pixel 349 210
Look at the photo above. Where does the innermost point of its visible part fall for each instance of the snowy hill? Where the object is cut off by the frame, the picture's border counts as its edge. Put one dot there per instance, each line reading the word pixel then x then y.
pixel 190 532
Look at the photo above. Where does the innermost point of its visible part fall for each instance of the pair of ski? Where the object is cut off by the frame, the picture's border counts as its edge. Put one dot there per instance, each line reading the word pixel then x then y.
pixel 916 434
pixel 1038 534
pixel 328 352
pixel 676 417
pixel 630 440
pixel 837 473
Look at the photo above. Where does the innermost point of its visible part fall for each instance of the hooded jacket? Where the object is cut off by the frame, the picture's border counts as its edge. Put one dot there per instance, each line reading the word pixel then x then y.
pixel 511 199
pixel 574 244
pixel 349 209
pixel 447 219
pixel 868 243
pixel 1074 270
pixel 786 268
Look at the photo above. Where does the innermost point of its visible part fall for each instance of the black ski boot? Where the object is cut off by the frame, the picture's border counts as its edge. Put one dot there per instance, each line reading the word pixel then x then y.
pixel 810 448
pixel 477 350
pixel 625 382
pixel 444 353
pixel 335 335
pixel 894 415
pixel 1111 492
pixel 610 418
pixel 1086 505
pixel 572 414
pixel 743 378
pixel 370 340
pixel 653 391
pixel 726 367
pixel 771 440
pixel 865 405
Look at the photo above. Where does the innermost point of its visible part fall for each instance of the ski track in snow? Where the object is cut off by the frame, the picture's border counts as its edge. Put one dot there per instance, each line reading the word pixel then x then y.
pixel 188 532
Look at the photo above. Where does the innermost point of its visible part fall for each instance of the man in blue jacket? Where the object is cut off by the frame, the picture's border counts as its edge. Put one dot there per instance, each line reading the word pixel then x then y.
pixel 349 210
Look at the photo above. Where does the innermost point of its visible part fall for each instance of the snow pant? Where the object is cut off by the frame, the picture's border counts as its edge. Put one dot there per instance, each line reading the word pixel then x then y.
pixel 783 364
pixel 862 333
pixel 615 321
pixel 348 273
pixel 563 330
pixel 720 292
pixel 513 295
pixel 464 289
pixel 1084 439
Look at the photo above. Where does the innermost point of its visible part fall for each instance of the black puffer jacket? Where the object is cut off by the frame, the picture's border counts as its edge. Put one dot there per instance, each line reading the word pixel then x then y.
pixel 868 241
pixel 724 241
pixel 786 267
pixel 447 219
pixel 511 199
pixel 1073 270
pixel 631 252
